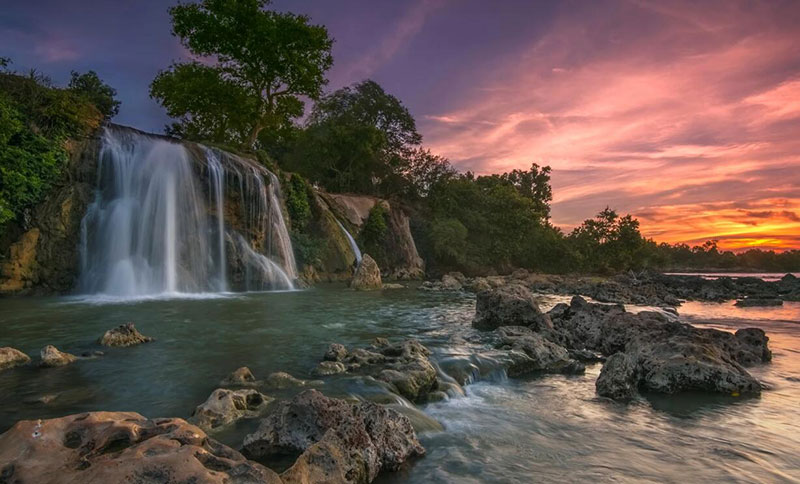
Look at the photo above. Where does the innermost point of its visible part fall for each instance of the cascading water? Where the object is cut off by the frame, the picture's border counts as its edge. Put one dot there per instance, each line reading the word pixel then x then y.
pixel 152 230
pixel 352 241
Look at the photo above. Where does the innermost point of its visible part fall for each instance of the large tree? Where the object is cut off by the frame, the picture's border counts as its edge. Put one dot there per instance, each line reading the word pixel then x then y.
pixel 359 139
pixel 252 67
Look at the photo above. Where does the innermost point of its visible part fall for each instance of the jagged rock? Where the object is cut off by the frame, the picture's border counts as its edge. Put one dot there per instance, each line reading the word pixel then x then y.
pixel 326 368
pixel 478 284
pixel 753 302
pixel 11 357
pixel 338 441
pixel 241 376
pixel 542 355
pixel 405 365
pixel 450 283
pixel 509 306
pixel 367 276
pixel 124 335
pixel 618 379
pixel 104 447
pixel 335 352
pixel 227 406
pixel 52 357
pixel 753 347
pixel 578 325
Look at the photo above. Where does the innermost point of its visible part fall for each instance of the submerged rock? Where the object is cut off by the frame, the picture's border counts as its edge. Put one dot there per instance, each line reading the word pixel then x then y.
pixel 752 302
pixel 327 368
pixel 338 441
pixel 52 357
pixel 281 380
pixel 367 276
pixel 227 406
pixel 104 447
pixel 241 376
pixel 11 357
pixel 124 335
pixel 509 306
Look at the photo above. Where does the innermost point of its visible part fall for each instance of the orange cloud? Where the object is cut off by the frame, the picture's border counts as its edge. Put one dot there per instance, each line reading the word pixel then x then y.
pixel 691 126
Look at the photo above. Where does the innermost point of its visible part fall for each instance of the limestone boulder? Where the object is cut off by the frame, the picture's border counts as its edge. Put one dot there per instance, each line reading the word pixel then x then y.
pixel 225 406
pixel 367 276
pixel 124 335
pixel 51 357
pixel 338 441
pixel 511 305
pixel 11 357
pixel 104 447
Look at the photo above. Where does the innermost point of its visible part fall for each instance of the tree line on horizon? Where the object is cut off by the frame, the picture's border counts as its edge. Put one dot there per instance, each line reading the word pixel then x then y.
pixel 253 72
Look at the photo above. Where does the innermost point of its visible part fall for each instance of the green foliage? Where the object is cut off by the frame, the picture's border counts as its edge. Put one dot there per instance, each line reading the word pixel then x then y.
pixel 357 139
pixel 298 201
pixel 609 243
pixel 263 61
pixel 487 222
pixel 373 232
pixel 94 90
pixel 36 120
pixel 449 241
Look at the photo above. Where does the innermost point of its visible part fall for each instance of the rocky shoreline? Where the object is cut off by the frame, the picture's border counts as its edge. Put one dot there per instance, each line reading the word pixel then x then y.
pixel 645 288
pixel 325 439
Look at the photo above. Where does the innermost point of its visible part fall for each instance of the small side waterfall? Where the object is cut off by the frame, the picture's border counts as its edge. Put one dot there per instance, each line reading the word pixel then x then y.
pixel 352 241
pixel 156 228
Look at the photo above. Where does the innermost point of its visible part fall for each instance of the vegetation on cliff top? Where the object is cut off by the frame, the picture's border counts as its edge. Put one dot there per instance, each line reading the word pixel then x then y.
pixel 36 121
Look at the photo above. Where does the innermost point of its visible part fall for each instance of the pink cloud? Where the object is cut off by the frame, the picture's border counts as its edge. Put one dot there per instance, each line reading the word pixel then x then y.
pixel 680 113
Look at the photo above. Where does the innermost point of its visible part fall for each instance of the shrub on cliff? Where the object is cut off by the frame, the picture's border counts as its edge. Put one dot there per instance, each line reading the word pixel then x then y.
pixel 36 120
pixel 373 233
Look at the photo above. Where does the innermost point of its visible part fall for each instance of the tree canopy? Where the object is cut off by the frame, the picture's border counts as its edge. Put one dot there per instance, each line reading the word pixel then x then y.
pixel 357 139
pixel 93 89
pixel 253 66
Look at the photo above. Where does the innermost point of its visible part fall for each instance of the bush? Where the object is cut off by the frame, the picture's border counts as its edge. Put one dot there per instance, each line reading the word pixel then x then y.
pixel 298 201
pixel 373 233
pixel 35 122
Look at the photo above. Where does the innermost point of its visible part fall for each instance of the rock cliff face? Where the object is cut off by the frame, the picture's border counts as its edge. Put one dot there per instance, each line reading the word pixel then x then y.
pixel 402 261
pixel 44 257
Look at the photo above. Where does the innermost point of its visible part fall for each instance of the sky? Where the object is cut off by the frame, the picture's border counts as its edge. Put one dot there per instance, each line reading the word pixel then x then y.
pixel 684 114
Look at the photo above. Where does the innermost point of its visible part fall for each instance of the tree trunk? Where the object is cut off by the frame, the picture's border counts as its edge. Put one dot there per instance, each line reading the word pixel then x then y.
pixel 251 141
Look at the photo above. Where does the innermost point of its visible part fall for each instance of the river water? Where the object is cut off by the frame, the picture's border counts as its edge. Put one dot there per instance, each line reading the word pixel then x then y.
pixel 543 429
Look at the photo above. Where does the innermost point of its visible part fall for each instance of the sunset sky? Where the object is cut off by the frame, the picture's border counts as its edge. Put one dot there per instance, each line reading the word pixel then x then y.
pixel 685 114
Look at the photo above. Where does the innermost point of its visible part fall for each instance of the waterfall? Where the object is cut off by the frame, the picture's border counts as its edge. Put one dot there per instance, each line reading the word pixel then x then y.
pixel 155 227
pixel 216 181
pixel 352 241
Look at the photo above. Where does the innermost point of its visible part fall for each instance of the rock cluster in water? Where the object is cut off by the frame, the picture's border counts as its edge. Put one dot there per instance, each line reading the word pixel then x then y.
pixel 404 365
pixel 647 351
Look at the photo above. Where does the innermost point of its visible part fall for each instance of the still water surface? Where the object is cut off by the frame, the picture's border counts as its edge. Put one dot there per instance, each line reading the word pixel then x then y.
pixel 544 429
